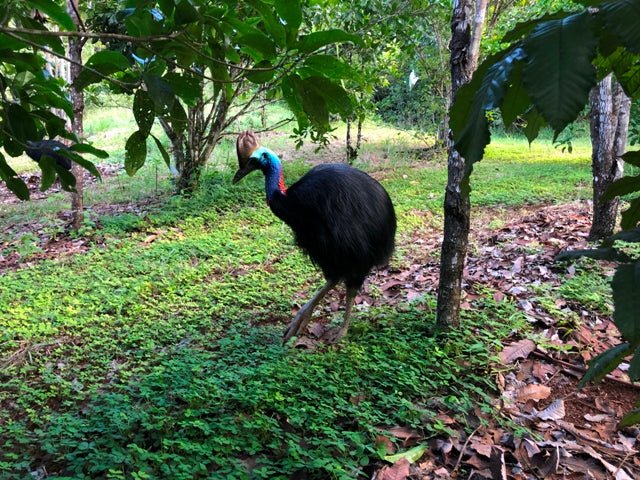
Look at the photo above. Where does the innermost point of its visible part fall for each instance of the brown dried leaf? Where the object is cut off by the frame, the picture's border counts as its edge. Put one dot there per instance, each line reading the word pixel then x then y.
pixel 555 411
pixel 397 471
pixel 532 392
pixel 404 433
pixel 520 349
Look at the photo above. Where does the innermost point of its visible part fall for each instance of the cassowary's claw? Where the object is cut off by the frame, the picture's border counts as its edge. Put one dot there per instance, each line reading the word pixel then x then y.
pixel 301 320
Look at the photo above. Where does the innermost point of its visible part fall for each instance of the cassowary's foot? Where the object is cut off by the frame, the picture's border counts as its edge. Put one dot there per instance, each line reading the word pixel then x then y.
pixel 302 318
pixel 336 336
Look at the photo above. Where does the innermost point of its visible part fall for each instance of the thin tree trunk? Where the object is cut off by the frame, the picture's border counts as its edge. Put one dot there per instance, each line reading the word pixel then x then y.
pixel 350 150
pixel 359 137
pixel 77 126
pixel 476 37
pixel 609 119
pixel 456 204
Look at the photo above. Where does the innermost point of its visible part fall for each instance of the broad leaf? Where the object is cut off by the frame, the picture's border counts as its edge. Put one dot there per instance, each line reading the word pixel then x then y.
pixel 471 141
pixel 187 87
pixel 20 123
pixel 11 179
pixel 291 95
pixel 260 43
pixel 516 99
pixel 535 122
pixel 609 254
pixel 559 73
pixel 631 216
pixel 605 363
pixel 291 12
pixel 262 72
pixel 86 148
pixel 185 12
pixel 55 12
pixel 335 97
pixel 412 455
pixel 67 180
pixel 314 41
pixel 632 158
pixel 626 301
pixel 178 118
pixel 47 165
pixel 621 187
pixel 160 92
pixel 631 418
pixel 525 28
pixel 143 111
pixel 105 62
pixel 622 17
pixel 330 66
pixel 83 162
pixel 634 366
pixel 271 23
pixel 135 152
pixel 163 151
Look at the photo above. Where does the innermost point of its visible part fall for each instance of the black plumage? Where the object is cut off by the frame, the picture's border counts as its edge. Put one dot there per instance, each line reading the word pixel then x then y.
pixel 340 216
pixel 50 148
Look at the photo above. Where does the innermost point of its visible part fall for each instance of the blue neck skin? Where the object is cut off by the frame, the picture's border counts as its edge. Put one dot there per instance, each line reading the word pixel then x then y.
pixel 272 170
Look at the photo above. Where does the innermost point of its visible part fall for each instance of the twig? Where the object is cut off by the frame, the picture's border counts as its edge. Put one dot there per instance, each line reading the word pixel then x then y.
pixel 99 36
pixel 454 472
pixel 582 369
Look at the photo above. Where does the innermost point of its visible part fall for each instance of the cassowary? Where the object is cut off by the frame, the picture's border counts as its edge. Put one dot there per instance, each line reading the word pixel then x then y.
pixel 340 216
pixel 50 148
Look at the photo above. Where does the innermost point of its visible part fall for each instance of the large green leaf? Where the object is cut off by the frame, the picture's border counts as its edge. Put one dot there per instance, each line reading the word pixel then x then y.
pixel 525 28
pixel 11 179
pixel 314 41
pixel 631 216
pixel 160 92
pixel 262 72
pixel 185 12
pixel 622 186
pixel 632 158
pixel 67 180
pixel 329 66
pixel 83 162
pixel 187 87
pixel 260 43
pixel 143 111
pixel 516 99
pixel 626 300
pixel 55 12
pixel 634 366
pixel 535 122
pixel 86 148
pixel 336 98
pixel 163 151
pixel 622 17
pixel 135 152
pixel 291 95
pixel 22 126
pixel 605 363
pixel 106 62
pixel 271 23
pixel 559 73
pixel 472 139
pixel 47 165
pixel 291 12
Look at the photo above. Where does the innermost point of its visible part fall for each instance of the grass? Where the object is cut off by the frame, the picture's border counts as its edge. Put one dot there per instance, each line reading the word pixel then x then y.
pixel 163 359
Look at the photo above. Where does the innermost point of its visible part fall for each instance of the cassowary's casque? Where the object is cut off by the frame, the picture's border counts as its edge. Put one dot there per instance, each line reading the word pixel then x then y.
pixel 340 216
pixel 50 148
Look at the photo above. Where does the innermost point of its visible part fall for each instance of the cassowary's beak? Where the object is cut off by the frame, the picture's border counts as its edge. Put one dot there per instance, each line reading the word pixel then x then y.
pixel 243 171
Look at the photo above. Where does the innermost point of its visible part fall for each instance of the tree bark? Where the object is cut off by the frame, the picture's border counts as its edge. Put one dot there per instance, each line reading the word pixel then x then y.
pixel 456 204
pixel 476 37
pixel 609 120
pixel 77 125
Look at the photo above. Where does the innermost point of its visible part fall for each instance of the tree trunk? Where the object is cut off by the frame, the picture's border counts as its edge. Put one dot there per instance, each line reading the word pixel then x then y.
pixel 359 137
pixel 476 37
pixel 609 119
pixel 456 204
pixel 77 126
pixel 351 152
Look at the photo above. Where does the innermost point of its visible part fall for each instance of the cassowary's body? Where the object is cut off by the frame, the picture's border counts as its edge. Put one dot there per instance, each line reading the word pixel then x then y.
pixel 50 148
pixel 340 216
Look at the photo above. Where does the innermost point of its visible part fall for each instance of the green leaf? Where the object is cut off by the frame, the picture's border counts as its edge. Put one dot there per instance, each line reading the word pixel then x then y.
pixel 291 95
pixel 559 73
pixel 187 87
pixel 67 180
pixel 631 418
pixel 525 28
pixel 160 93
pixel 135 152
pixel 21 124
pixel 86 164
pixel 336 98
pixel 271 23
pixel 474 137
pixel 622 18
pixel 163 151
pixel 634 366
pixel 516 99
pixel 621 187
pixel 185 12
pixel 47 165
pixel 106 62
pixel 632 158
pixel 626 300
pixel 11 179
pixel 86 148
pixel 605 363
pixel 329 66
pixel 260 43
pixel 258 74
pixel 535 122
pixel 314 41
pixel 631 216
pixel 291 12
pixel 412 455
pixel 178 118
pixel 55 12
pixel 143 111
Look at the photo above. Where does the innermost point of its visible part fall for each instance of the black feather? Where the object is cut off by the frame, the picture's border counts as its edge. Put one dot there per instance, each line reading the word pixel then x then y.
pixel 50 148
pixel 342 218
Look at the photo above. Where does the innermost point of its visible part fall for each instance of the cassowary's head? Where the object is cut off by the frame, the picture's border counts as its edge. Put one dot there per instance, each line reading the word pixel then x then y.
pixel 246 144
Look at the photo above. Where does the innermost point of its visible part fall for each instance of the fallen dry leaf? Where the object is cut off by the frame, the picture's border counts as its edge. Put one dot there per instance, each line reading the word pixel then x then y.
pixel 517 350
pixel 397 471
pixel 555 411
pixel 532 392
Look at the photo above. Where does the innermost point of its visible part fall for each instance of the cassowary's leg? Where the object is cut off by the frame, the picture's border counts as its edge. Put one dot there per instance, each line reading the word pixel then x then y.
pixel 301 320
pixel 351 297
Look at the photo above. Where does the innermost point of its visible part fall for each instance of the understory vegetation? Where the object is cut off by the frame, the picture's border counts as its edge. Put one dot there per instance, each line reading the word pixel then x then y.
pixel 156 353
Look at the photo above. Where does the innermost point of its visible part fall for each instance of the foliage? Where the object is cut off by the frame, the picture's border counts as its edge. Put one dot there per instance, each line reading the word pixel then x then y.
pixel 162 357
pixel 545 75
pixel 171 50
